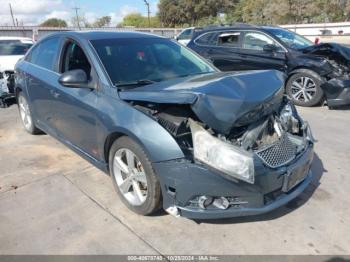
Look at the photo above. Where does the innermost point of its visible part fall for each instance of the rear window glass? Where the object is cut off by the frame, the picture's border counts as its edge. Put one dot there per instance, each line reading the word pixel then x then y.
pixel 44 53
pixel 206 39
pixel 186 35
pixel 229 39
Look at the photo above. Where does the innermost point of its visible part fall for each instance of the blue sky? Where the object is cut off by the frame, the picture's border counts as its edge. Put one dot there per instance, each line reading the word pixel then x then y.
pixel 32 12
pixel 107 6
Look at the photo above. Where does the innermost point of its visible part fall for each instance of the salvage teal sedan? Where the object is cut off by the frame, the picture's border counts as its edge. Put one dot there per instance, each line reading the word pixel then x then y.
pixel 170 129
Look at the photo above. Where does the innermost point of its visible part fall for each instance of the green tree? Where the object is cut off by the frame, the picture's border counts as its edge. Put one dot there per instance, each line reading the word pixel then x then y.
pixel 134 19
pixel 80 21
pixel 102 21
pixel 54 22
pixel 191 12
pixel 137 20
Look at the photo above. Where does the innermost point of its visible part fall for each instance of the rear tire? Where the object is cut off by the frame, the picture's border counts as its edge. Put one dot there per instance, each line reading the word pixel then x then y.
pixel 26 115
pixel 133 177
pixel 304 88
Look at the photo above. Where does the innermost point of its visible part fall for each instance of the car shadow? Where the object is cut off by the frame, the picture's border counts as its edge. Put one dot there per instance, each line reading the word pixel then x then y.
pixel 340 108
pixel 317 169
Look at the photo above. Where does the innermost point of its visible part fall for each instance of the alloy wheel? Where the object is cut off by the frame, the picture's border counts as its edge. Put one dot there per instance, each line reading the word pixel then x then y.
pixel 130 176
pixel 303 89
pixel 25 112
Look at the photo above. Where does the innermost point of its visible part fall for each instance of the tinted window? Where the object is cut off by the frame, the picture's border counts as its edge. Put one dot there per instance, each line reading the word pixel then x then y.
pixel 44 54
pixel 206 39
pixel 13 47
pixel 75 58
pixel 156 59
pixel 257 41
pixel 229 39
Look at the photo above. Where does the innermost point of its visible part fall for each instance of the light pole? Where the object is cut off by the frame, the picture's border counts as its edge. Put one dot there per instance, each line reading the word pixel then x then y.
pixel 77 16
pixel 148 12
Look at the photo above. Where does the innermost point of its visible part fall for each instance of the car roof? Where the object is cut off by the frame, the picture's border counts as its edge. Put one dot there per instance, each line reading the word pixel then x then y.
pixel 234 27
pixel 97 35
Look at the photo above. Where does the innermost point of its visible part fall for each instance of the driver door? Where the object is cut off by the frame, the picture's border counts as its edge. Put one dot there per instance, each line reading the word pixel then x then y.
pixel 253 55
pixel 76 109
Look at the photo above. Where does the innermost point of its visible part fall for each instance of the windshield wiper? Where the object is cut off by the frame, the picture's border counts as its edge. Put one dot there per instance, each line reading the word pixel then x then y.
pixel 195 74
pixel 141 82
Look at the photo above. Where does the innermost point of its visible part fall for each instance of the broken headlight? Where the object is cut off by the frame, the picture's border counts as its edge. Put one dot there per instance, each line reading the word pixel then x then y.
pixel 288 117
pixel 221 155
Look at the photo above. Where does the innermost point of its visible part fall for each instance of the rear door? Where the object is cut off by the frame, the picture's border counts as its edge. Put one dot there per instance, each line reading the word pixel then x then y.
pixel 42 79
pixel 225 52
pixel 254 55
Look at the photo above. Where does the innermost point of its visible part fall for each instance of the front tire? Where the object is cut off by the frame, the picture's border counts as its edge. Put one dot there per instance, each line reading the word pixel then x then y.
pixel 133 177
pixel 304 88
pixel 26 115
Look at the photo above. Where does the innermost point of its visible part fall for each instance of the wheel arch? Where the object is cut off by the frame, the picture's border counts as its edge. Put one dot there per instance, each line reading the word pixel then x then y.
pixel 303 69
pixel 154 155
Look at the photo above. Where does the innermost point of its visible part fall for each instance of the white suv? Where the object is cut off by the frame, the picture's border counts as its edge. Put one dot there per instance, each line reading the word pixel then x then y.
pixel 11 50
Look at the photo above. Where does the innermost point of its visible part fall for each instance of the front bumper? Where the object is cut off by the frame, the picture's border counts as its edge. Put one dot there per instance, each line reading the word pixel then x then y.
pixel 337 92
pixel 183 181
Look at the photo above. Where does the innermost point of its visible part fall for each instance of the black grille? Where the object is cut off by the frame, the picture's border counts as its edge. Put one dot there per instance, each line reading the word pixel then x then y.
pixel 279 153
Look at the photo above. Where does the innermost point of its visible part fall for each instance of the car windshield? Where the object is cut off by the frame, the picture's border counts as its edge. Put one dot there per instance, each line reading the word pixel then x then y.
pixel 13 47
pixel 140 61
pixel 291 39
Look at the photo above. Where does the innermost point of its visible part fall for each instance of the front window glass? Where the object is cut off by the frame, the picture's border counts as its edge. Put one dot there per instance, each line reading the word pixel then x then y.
pixel 289 38
pixel 257 41
pixel 13 47
pixel 75 58
pixel 152 59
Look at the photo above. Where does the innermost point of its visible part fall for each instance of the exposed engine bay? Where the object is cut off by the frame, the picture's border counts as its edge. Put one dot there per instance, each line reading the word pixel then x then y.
pixel 225 128
pixel 337 56
pixel 335 71
pixel 276 138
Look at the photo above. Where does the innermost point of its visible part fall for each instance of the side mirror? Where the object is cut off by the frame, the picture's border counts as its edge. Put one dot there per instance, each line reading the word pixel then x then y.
pixel 176 38
pixel 75 78
pixel 270 48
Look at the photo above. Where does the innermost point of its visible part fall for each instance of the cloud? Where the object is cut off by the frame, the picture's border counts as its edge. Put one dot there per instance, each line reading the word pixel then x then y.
pixel 31 7
pixel 34 12
pixel 117 17
pixel 65 15
pixel 31 12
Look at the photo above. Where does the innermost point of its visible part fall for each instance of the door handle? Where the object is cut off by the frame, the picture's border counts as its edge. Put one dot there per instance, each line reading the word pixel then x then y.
pixel 54 94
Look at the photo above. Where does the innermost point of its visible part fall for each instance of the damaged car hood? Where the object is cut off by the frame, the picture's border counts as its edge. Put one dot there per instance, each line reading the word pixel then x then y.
pixel 333 51
pixel 220 100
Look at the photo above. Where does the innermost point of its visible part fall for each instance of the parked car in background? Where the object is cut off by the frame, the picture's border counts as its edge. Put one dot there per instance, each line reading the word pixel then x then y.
pixel 185 36
pixel 11 50
pixel 169 128
pixel 315 72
